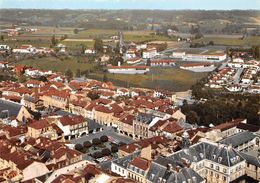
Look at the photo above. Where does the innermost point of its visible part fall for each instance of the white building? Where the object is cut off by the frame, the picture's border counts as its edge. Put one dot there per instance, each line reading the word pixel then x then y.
pixel 126 69
pixel 149 53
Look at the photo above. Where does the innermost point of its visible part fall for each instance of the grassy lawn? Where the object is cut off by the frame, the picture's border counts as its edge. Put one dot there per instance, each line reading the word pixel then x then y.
pixel 249 41
pixel 55 64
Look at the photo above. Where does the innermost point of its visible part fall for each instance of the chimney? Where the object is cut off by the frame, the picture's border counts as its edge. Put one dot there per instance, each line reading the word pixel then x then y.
pixel 169 167
pixel 178 168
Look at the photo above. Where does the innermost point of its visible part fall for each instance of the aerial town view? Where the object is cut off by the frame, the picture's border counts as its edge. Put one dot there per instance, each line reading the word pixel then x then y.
pixel 137 91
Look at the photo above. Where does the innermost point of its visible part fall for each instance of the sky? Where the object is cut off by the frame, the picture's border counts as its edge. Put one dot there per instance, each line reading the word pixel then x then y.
pixel 132 4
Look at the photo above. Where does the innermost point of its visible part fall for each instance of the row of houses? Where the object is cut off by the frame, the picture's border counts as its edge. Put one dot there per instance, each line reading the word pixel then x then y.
pixel 238 76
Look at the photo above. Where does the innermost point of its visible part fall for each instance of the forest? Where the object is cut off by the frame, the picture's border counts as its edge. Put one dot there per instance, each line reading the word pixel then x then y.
pixel 217 107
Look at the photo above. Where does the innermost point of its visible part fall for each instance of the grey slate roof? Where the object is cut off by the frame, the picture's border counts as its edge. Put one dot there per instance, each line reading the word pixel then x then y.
pixel 204 150
pixel 251 159
pixel 123 162
pixel 13 108
pixel 144 118
pixel 158 172
pixel 238 139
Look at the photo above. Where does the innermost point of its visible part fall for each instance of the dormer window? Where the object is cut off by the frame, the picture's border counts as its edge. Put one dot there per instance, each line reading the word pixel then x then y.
pixel 219 159
pixel 214 156
pixel 201 155
pixel 152 176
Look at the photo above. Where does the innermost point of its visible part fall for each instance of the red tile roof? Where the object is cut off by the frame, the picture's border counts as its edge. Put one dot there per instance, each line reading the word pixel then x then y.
pixel 72 120
pixel 140 163
pixel 39 124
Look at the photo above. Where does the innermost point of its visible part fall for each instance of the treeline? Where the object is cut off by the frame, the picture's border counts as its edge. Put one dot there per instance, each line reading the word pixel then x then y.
pixel 217 107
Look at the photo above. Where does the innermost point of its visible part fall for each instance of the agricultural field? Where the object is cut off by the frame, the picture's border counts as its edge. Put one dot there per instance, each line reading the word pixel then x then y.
pixel 248 41
pixel 59 65
pixel 75 44
pixel 172 79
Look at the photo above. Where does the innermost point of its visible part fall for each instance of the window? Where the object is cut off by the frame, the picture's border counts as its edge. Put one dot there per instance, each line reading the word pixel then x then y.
pixel 217 167
pixel 211 165
pixel 211 173
pixel 224 178
pixel 225 170
pixel 217 176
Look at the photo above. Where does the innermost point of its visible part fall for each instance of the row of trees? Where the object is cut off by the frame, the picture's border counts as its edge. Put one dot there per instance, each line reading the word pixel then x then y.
pixel 95 142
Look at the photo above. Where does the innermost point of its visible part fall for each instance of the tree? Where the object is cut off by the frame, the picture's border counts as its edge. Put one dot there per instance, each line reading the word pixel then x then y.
pixel 78 147
pixel 256 52
pixel 53 40
pixel 69 74
pixel 86 73
pixel 105 78
pixel 78 73
pixel 76 31
pixel 98 45
pixel 82 48
pixel 104 138
pixel 96 141
pixel 105 152
pixel 93 95
pixel 97 155
pixel 192 117
pixel 148 62
pixel 198 35
pixel 65 36
pixel 43 79
pixel 114 149
pixel 87 144
pixel 211 43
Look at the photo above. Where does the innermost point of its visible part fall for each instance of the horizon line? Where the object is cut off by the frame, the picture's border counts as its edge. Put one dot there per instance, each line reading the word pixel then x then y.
pixel 129 9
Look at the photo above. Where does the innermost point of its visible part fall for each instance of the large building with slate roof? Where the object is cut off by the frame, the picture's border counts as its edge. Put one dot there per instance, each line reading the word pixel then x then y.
pixel 215 162
pixel 162 170
pixel 170 171
pixel 243 141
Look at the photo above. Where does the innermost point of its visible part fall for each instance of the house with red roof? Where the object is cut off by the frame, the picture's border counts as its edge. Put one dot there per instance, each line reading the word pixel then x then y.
pixel 73 126
pixel 56 98
pixel 41 128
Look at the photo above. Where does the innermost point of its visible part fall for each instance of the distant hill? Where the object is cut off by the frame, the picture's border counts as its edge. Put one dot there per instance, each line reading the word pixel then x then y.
pixel 213 21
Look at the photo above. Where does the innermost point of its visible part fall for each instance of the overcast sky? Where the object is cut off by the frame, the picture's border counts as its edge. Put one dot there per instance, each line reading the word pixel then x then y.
pixel 132 4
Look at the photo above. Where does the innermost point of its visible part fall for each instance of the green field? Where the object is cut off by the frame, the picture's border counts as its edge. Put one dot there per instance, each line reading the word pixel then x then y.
pixel 18 43
pixel 136 36
pixel 59 65
pixel 248 41
pixel 145 38
pixel 76 44
pixel 172 79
